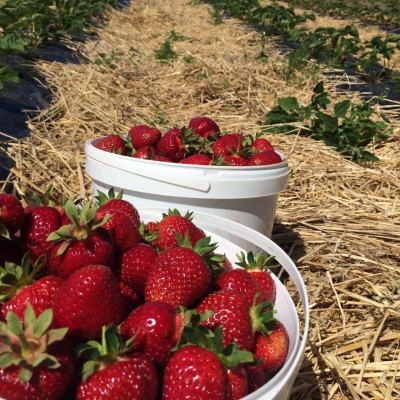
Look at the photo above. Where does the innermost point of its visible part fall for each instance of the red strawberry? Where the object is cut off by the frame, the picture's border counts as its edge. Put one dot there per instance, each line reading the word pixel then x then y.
pixel 265 158
pixel 237 383
pixel 83 243
pixel 233 312
pixel 194 373
pixel 133 265
pixel 162 159
pixel 174 223
pixel 113 374
pixel 178 276
pixel 228 144
pixel 34 364
pixel 113 202
pixel 19 288
pixel 207 369
pixel 87 300
pixel 170 145
pixel 257 266
pixel 176 143
pixel 95 249
pixel 39 223
pixel 112 144
pixel 260 144
pixel 122 229
pixel 197 159
pixel 240 281
pixel 152 226
pixel 131 299
pixel 255 376
pixel 235 161
pixel 272 348
pixel 156 328
pixel 143 136
pixel 145 153
pixel 203 126
pixel 50 198
pixel 12 214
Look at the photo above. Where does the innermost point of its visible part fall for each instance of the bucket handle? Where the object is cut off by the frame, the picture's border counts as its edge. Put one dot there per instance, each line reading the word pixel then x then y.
pixel 190 182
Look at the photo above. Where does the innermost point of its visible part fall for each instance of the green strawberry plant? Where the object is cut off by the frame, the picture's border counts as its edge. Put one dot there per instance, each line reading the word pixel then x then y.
pixel 335 47
pixel 350 129
pixel 7 75
pixel 26 24
pixel 277 20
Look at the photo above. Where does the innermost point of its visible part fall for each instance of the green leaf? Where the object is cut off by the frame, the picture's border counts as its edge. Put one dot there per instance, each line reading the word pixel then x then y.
pixel 7 75
pixel 8 359
pixel 14 323
pixel 88 369
pixel 29 318
pixel 289 103
pixel 331 123
pixel 43 322
pixel 71 211
pixel 4 232
pixel 12 44
pixel 319 88
pixel 340 109
pixel 367 156
pixel 46 360
pixel 56 335
pixel 25 373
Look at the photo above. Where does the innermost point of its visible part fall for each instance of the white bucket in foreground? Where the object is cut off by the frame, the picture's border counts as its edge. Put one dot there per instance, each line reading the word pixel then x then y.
pixel 242 194
pixel 244 238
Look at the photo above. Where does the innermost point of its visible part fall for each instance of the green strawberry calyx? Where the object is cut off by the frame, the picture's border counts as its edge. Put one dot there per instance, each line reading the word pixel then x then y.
pixel 188 215
pixel 262 316
pixel 4 231
pixel 191 324
pixel 49 198
pixel 230 356
pixel 205 249
pixel 146 234
pixel 24 344
pixel 100 354
pixel 14 278
pixel 260 261
pixel 103 198
pixel 84 222
pixel 189 141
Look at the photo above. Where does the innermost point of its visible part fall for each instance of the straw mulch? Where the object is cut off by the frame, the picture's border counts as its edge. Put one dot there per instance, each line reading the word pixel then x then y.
pixel 339 221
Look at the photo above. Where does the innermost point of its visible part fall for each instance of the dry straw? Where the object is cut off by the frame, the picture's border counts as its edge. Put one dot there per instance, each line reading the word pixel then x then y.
pixel 339 221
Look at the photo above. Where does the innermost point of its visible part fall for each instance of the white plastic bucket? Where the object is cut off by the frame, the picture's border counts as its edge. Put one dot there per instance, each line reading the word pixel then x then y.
pixel 278 388
pixel 242 194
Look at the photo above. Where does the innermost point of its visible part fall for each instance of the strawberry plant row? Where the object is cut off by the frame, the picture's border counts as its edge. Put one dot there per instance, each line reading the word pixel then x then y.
pixel 385 13
pixel 27 24
pixel 350 129
pixel 341 48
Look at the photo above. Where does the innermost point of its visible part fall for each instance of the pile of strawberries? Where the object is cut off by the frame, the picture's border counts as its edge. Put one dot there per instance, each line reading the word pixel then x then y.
pixel 96 304
pixel 201 143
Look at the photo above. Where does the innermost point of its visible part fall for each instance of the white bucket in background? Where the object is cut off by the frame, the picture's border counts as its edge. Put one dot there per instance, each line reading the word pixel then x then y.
pixel 244 238
pixel 247 195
